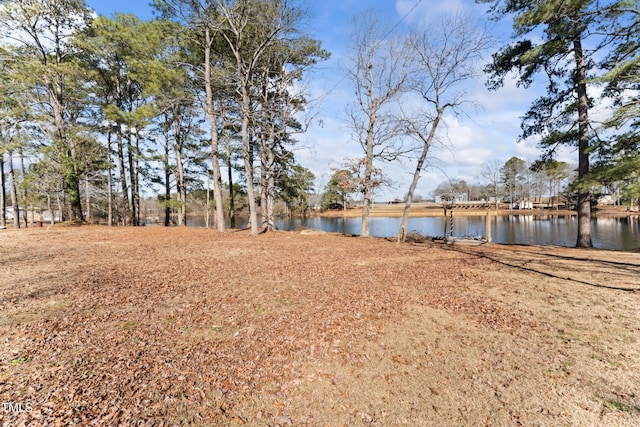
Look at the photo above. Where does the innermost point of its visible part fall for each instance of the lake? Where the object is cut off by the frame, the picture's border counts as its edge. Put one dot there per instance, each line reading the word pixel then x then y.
pixel 608 233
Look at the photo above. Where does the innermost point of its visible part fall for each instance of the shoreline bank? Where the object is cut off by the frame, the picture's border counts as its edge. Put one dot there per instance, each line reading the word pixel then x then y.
pixel 396 211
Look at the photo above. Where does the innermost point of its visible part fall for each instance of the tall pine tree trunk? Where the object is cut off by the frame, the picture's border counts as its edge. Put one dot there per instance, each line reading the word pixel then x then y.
pixel 109 183
pixel 264 148
pixel 232 208
pixel 584 196
pixel 180 178
pixel 136 193
pixel 247 154
pixel 271 177
pixel 132 212
pixel 67 148
pixel 24 195
pixel 271 189
pixel 213 124
pixel 132 176
pixel 167 180
pixel 123 177
pixel 87 197
pixel 227 147
pixel 264 174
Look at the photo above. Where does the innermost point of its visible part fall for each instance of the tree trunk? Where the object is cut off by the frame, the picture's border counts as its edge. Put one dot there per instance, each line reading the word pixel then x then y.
pixel 132 212
pixel 87 197
pixel 50 207
pixel 366 204
pixel 227 147
pixel 247 153
pixel 268 159
pixel 123 177
pixel 136 173
pixel 67 148
pixel 167 180
pixel 25 212
pixel 265 169
pixel 271 187
pixel 213 124
pixel 72 185
pixel 3 193
pixel 264 177
pixel 180 182
pixel 584 196
pixel 73 189
pixel 232 208
pixel 14 192
pixel 60 204
pixel 402 233
pixel 109 182
pixel 207 204
pixel 368 174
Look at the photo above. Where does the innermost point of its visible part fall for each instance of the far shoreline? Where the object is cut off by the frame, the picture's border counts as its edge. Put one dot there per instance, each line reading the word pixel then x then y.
pixel 431 210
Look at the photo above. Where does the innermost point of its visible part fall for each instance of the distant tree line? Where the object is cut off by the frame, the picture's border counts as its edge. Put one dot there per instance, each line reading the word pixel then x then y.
pixel 513 182
pixel 94 109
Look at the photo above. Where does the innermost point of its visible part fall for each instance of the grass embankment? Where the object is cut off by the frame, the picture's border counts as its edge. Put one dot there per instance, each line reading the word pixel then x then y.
pixel 435 210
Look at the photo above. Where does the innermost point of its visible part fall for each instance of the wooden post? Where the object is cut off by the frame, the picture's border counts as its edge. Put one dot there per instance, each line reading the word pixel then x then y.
pixel 487 227
pixel 444 233
pixel 451 222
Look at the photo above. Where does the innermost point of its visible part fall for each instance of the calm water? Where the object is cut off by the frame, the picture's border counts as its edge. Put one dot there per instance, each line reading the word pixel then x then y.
pixel 607 233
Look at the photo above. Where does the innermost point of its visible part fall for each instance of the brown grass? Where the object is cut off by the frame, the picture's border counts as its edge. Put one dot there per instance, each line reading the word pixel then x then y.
pixel 155 326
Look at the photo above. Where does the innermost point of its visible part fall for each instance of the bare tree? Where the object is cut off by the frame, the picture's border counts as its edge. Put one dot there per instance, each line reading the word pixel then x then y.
pixel 380 72
pixel 491 173
pixel 446 58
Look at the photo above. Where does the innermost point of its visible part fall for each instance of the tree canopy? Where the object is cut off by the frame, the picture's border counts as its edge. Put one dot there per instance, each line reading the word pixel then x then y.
pixel 118 103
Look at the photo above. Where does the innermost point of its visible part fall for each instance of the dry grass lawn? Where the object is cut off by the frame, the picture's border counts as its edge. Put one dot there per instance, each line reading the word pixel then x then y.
pixel 177 326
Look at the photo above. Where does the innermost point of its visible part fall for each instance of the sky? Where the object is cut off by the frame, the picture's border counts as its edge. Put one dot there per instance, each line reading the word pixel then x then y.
pixel 486 133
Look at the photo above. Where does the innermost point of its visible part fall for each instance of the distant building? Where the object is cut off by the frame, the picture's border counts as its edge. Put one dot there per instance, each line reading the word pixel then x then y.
pixel 35 214
pixel 455 198
pixel 524 204
pixel 606 200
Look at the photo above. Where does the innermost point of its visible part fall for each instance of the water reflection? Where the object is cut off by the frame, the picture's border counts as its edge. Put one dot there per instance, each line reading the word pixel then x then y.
pixel 608 233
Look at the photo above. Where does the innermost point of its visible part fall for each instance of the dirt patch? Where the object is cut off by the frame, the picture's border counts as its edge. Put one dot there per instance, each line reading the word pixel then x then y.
pixel 156 326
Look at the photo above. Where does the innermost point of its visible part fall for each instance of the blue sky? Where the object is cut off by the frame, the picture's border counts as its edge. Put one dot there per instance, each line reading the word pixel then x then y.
pixel 489 133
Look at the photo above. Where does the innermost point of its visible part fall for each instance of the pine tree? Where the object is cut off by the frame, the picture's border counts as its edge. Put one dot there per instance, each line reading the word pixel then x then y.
pixel 572 33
